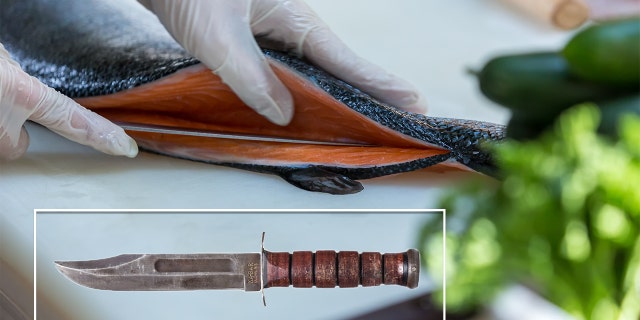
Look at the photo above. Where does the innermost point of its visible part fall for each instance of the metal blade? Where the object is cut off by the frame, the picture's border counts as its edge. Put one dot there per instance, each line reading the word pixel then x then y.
pixel 167 272
pixel 232 136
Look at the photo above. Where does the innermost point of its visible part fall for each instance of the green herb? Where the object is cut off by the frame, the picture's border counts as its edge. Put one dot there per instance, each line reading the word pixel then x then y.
pixel 564 221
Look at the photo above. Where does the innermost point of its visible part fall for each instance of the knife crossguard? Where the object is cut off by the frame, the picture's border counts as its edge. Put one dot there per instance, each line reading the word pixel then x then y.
pixel 344 269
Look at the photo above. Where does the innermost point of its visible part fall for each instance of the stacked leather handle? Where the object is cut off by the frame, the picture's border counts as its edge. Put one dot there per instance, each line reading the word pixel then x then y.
pixel 344 269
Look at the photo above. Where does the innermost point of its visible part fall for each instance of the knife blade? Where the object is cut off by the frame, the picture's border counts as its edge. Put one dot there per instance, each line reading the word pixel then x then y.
pixel 166 272
pixel 139 127
pixel 245 271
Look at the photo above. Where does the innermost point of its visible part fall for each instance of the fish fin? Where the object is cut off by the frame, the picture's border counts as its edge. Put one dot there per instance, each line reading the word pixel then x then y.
pixel 320 180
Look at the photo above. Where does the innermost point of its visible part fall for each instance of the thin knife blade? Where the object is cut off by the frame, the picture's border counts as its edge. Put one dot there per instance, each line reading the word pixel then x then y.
pixel 167 272
pixel 222 135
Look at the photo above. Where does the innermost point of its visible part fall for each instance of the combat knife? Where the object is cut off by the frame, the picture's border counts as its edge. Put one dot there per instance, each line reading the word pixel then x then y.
pixel 245 271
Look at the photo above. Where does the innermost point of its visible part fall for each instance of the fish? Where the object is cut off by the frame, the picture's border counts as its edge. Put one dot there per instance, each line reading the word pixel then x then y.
pixel 116 59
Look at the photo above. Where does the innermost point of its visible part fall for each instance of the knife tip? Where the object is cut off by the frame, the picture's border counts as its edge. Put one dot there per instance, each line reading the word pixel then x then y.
pixel 62 267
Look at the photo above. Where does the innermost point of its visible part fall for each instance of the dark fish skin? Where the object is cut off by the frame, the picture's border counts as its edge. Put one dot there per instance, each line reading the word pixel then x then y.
pixel 89 47
pixel 94 47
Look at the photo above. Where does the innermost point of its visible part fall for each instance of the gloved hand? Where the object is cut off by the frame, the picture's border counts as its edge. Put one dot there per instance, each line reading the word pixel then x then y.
pixel 220 33
pixel 23 97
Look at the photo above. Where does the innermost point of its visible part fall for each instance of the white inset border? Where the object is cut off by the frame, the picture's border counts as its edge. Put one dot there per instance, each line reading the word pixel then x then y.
pixel 220 211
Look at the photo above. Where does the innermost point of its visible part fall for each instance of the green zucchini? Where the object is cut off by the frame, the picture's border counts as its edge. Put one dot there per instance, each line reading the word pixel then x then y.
pixel 538 84
pixel 607 53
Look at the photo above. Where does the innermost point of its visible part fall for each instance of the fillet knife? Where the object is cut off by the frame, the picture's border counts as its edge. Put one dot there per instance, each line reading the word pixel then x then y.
pixel 245 271
pixel 139 127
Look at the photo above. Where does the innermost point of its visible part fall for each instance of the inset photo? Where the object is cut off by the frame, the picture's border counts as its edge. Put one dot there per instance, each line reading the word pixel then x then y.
pixel 234 264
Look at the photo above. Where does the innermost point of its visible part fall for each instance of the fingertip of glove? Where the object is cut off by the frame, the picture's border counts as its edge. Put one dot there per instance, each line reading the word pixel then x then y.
pixel 99 133
pixel 278 107
pixel 118 144
pixel 127 147
pixel 419 106
pixel 280 115
pixel 132 149
pixel 265 94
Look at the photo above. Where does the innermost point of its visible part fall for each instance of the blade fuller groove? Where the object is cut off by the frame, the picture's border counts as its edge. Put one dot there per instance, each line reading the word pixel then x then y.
pixel 194 265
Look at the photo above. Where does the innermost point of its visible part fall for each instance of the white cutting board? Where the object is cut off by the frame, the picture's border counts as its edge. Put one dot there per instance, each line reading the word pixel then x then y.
pixel 428 42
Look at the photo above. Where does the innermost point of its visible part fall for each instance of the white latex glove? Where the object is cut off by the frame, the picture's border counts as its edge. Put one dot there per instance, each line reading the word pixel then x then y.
pixel 220 33
pixel 23 98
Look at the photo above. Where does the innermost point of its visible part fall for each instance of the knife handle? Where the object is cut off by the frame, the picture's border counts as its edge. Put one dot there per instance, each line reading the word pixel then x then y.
pixel 345 269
